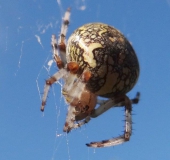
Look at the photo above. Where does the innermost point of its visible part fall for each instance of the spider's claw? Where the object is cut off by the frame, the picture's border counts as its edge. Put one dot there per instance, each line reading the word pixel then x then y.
pixel 43 106
pixel 136 99
pixel 95 144
pixel 42 109
pixel 88 145
pixel 66 128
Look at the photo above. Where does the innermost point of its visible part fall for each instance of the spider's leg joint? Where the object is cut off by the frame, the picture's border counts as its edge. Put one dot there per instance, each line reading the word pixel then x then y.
pixel 62 46
pixel 73 67
pixel 86 76
pixel 51 81
pixel 127 136
pixel 42 106
pixel 66 22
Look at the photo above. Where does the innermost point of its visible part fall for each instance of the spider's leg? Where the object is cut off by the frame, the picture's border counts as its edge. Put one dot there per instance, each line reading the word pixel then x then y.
pixel 56 57
pixel 66 21
pixel 106 105
pixel 133 101
pixel 62 41
pixel 75 91
pixel 81 101
pixel 102 109
pixel 136 99
pixel 128 121
pixel 81 123
pixel 69 123
pixel 61 73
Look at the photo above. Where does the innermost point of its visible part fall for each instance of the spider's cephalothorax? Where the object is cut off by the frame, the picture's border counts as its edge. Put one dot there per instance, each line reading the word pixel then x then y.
pixel 97 61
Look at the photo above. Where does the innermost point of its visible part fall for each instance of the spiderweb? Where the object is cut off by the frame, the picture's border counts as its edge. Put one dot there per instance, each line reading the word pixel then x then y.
pixel 25 35
pixel 60 136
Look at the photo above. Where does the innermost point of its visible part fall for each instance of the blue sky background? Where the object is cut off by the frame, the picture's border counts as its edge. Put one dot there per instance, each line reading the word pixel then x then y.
pixel 26 133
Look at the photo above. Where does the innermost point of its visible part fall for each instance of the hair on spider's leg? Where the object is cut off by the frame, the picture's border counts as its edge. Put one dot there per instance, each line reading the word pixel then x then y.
pixel 133 114
pixel 48 83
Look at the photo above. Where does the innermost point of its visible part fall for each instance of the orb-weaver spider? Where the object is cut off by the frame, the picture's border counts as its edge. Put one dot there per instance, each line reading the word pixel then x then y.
pixel 96 61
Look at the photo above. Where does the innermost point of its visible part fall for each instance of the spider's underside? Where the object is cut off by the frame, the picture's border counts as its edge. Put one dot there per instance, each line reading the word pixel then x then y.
pixel 96 61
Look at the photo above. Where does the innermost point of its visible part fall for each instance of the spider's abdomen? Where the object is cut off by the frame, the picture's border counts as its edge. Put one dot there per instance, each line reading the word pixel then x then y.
pixel 108 55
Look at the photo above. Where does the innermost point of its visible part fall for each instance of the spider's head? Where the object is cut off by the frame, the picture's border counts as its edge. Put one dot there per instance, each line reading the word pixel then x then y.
pixel 81 105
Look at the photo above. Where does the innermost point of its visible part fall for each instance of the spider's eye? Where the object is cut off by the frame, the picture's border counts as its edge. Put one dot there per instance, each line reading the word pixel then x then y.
pixel 85 108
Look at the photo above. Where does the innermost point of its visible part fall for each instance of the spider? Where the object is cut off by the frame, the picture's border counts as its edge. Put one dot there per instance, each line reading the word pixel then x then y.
pixel 97 61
